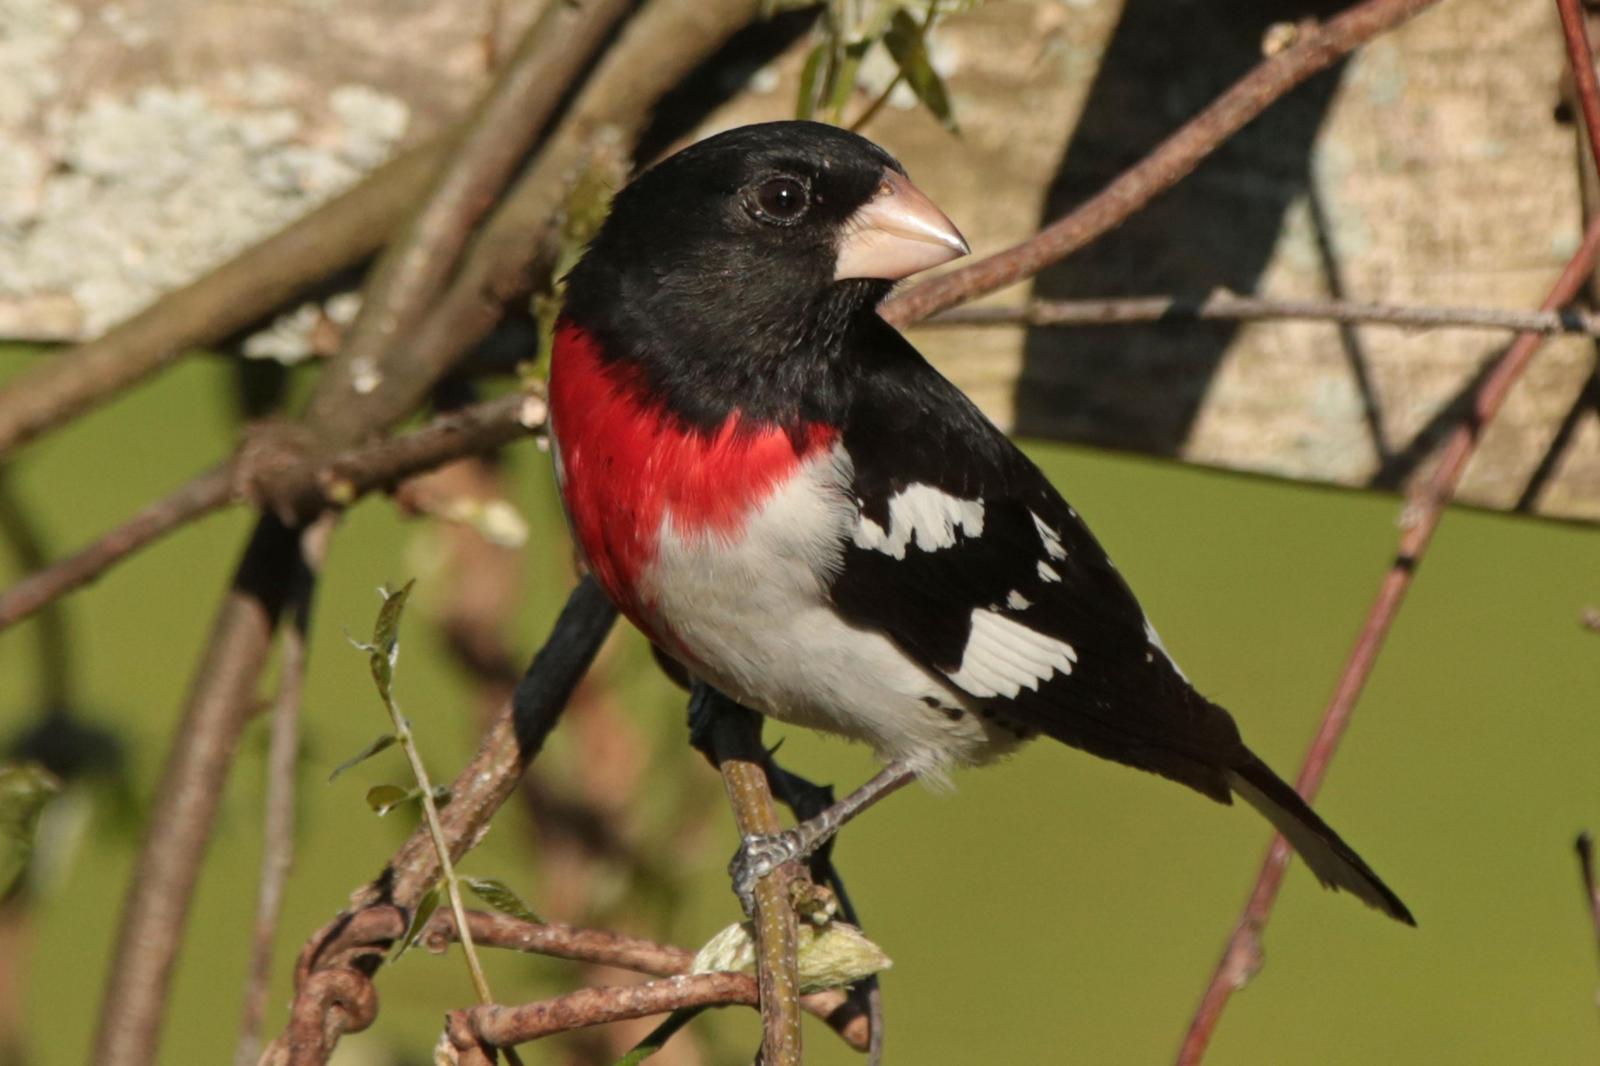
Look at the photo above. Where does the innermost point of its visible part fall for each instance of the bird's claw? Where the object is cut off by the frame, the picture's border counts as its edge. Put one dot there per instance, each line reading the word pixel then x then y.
pixel 758 856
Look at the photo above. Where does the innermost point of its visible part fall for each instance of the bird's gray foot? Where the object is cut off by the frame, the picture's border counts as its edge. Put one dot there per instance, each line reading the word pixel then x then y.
pixel 757 857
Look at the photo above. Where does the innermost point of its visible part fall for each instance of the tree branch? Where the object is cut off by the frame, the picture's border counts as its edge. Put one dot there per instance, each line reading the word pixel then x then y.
pixel 283 755
pixel 494 1026
pixel 341 953
pixel 602 947
pixel 1223 306
pixel 515 243
pixel 733 738
pixel 1315 48
pixel 299 487
pixel 215 711
pixel 242 291
pixel 415 267
pixel 1242 956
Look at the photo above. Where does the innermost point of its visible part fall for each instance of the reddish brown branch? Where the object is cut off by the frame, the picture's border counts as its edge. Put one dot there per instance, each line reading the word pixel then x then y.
pixel 495 1026
pixel 1242 956
pixel 602 947
pixel 300 487
pixel 1580 62
pixel 1315 48
pixel 346 945
pixel 1226 307
pixel 246 289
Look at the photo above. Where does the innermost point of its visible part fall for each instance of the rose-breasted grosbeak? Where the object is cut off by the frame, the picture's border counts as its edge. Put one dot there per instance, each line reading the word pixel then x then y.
pixel 772 484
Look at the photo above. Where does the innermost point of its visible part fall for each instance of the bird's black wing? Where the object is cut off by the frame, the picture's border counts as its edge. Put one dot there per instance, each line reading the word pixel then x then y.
pixel 1017 604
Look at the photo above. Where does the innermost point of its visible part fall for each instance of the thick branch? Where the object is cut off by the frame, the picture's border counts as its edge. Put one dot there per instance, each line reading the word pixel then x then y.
pixel 602 947
pixel 1223 306
pixel 1315 48
pixel 495 1026
pixel 1242 956
pixel 343 231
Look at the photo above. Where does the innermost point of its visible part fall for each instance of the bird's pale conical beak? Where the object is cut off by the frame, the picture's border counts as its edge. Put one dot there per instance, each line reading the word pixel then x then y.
pixel 897 233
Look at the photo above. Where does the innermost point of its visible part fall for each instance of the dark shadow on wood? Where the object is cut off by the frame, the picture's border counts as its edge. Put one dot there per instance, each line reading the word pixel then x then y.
pixel 1393 473
pixel 1140 387
pixel 1355 354
pixel 1588 399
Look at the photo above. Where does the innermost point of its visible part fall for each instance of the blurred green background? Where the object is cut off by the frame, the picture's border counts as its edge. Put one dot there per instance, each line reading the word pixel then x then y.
pixel 1054 909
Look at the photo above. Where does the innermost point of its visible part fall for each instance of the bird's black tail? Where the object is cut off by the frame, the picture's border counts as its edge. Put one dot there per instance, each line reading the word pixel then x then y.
pixel 1333 861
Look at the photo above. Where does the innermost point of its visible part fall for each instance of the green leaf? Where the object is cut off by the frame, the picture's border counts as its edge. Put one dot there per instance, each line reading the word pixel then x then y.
pixel 498 896
pixel 658 1037
pixel 383 743
pixel 910 51
pixel 805 104
pixel 419 919
pixel 24 790
pixel 385 798
pixel 384 651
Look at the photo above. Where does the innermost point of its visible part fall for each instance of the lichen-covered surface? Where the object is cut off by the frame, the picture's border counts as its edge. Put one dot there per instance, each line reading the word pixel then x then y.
pixel 153 137
pixel 148 140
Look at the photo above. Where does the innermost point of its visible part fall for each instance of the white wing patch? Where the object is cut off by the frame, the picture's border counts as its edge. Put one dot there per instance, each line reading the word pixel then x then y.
pixel 1003 656
pixel 1017 601
pixel 1047 572
pixel 1052 539
pixel 924 515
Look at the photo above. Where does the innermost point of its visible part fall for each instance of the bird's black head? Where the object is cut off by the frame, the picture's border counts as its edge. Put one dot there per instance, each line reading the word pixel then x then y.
pixel 745 259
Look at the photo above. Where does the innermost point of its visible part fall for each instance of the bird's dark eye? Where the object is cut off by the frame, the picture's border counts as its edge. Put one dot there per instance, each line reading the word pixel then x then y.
pixel 781 199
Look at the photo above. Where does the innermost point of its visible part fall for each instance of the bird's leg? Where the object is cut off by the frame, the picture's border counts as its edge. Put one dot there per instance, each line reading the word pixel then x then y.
pixel 760 855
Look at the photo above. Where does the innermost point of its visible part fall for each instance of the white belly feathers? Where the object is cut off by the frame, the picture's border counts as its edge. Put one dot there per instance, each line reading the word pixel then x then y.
pixel 751 616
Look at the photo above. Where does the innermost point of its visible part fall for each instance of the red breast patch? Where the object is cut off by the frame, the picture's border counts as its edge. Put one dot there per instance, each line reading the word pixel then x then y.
pixel 625 463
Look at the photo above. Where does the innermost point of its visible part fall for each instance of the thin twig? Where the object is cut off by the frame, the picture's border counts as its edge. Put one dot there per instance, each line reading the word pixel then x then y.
pixel 383 651
pixel 1580 61
pixel 1242 956
pixel 316 485
pixel 37 590
pixel 1223 306
pixel 509 117
pixel 336 964
pixel 277 850
pixel 1591 889
pixel 242 291
pixel 734 737
pixel 1316 47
